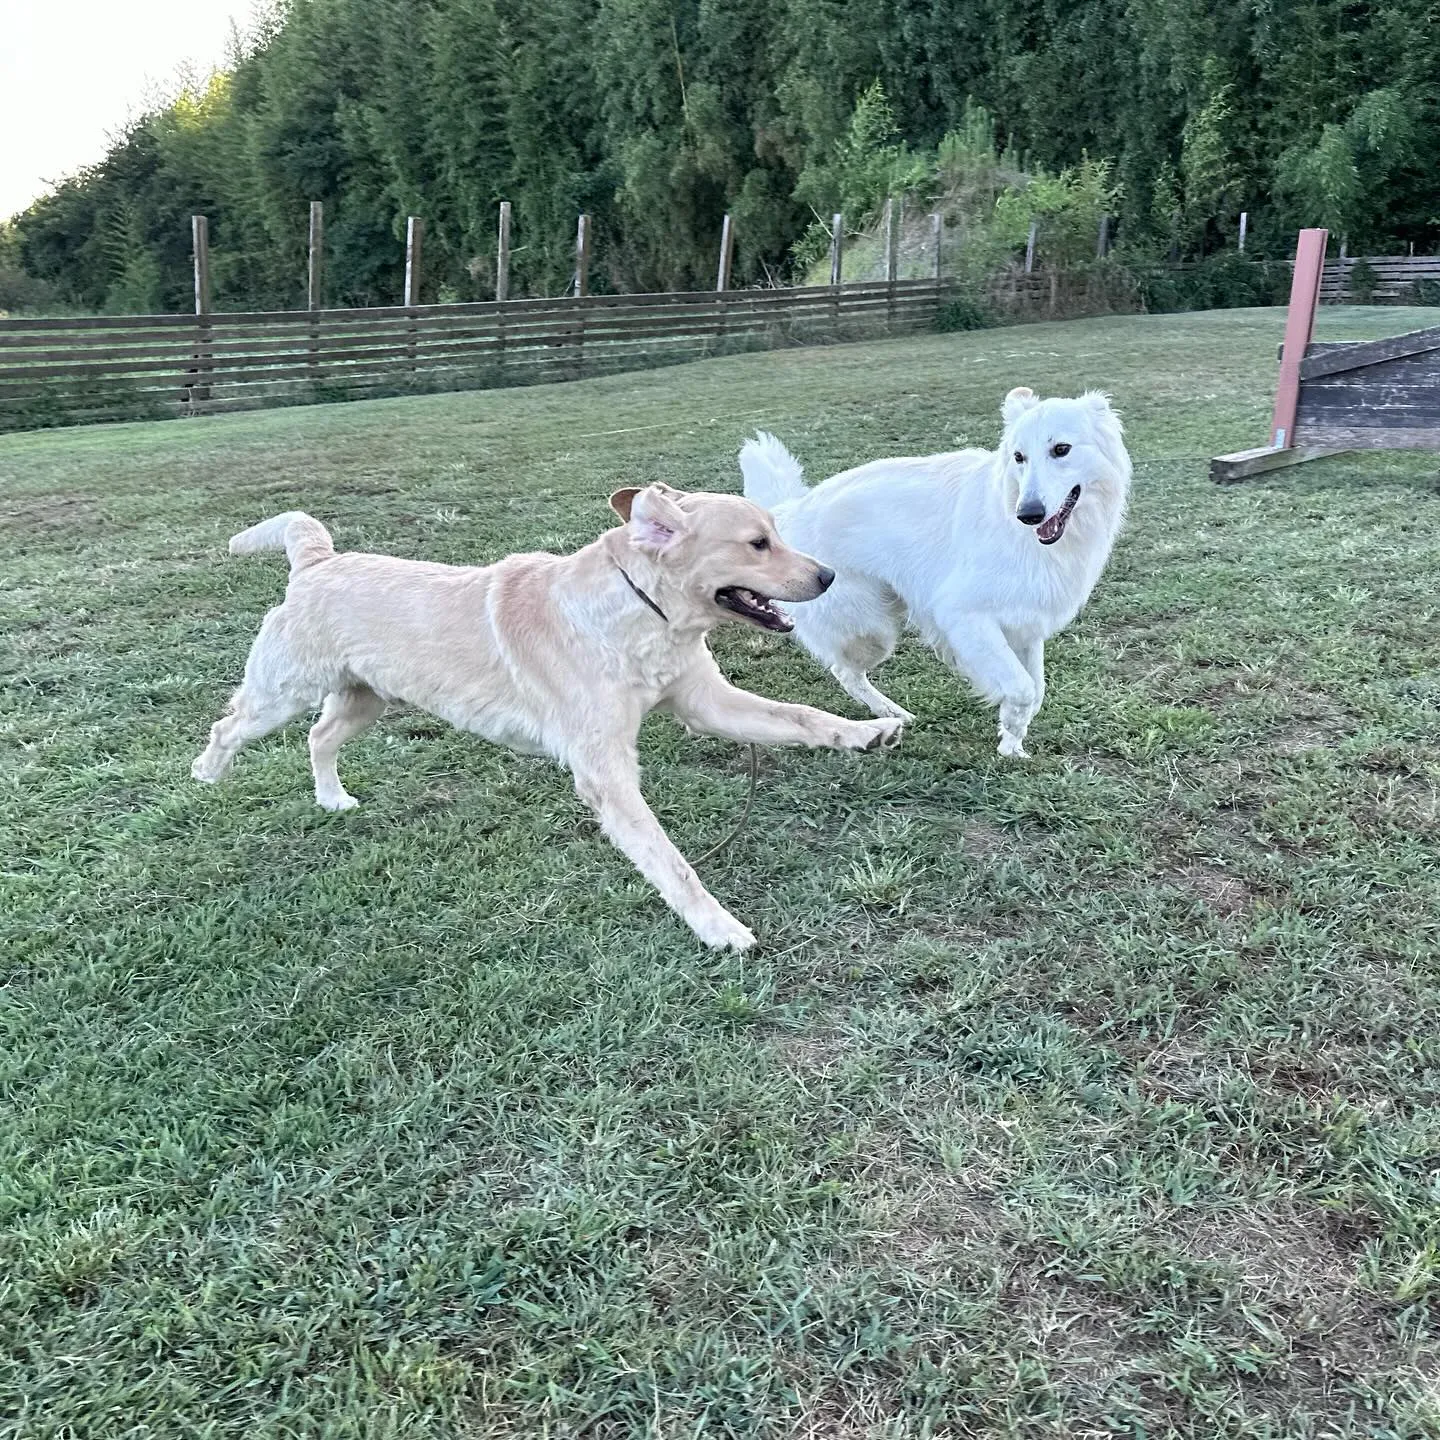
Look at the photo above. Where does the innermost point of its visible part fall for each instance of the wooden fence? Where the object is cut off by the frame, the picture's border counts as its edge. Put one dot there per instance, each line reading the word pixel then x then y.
pixel 61 370
pixel 1383 277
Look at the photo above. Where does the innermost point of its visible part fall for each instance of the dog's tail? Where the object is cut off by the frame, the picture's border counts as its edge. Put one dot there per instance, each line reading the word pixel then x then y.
pixel 303 538
pixel 772 474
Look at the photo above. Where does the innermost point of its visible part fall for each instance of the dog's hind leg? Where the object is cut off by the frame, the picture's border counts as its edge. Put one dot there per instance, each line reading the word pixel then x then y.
pixel 269 696
pixel 856 683
pixel 610 784
pixel 850 633
pixel 252 714
pixel 346 714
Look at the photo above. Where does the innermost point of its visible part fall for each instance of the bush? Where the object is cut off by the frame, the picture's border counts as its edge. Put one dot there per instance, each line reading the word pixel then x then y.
pixel 963 313
pixel 1361 282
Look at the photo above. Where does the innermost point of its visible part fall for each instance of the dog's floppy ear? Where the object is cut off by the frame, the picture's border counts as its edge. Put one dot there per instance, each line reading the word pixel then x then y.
pixel 622 500
pixel 1098 401
pixel 655 521
pixel 1017 402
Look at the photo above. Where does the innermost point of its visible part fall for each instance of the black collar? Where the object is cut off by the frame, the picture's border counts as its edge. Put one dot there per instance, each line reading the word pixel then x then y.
pixel 643 595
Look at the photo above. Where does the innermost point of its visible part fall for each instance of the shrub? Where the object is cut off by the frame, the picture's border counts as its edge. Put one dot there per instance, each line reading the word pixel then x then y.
pixel 963 313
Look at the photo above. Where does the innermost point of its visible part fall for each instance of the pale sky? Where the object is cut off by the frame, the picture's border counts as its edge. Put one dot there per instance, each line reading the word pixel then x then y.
pixel 73 71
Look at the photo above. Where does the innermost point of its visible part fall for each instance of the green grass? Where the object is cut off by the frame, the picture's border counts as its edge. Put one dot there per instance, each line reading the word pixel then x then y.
pixel 1090 1095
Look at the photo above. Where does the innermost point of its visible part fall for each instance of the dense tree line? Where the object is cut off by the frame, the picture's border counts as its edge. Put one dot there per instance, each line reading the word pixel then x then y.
pixel 657 116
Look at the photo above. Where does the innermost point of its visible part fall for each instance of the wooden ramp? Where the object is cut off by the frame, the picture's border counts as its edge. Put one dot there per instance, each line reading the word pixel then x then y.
pixel 1351 395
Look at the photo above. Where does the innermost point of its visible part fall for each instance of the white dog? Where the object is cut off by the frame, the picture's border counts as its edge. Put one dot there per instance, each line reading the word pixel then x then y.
pixel 549 654
pixel 987 554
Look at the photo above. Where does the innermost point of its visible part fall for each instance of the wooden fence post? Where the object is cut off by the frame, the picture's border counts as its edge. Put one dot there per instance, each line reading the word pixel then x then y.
pixel 315 268
pixel 837 267
pixel 1030 247
pixel 414 236
pixel 892 262
pixel 1244 225
pixel 582 287
pixel 314 281
pixel 722 276
pixel 200 244
pixel 1299 327
pixel 582 257
pixel 1102 242
pixel 502 255
pixel 727 251
pixel 937 235
pixel 502 284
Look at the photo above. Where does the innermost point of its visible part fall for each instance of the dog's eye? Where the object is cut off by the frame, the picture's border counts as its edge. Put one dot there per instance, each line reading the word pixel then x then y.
pixel 761 544
pixel 1060 451
pixel 1019 458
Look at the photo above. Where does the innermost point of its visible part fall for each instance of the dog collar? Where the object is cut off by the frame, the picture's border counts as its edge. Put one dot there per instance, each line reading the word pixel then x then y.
pixel 642 594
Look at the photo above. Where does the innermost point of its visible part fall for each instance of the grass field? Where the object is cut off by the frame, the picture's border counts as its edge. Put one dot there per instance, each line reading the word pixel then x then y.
pixel 1097 1094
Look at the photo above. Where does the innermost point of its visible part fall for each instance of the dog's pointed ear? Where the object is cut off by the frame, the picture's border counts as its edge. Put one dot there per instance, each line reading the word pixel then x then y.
pixel 1017 402
pixel 655 521
pixel 622 500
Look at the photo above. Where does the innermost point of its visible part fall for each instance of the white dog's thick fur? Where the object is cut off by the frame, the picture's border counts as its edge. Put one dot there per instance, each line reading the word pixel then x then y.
pixel 554 655
pixel 987 554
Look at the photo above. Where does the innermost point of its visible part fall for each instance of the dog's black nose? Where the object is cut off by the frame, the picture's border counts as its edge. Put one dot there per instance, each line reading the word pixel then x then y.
pixel 825 577
pixel 1031 513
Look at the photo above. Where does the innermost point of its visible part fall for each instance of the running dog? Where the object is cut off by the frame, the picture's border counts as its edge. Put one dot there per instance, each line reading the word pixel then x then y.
pixel 555 655
pixel 986 553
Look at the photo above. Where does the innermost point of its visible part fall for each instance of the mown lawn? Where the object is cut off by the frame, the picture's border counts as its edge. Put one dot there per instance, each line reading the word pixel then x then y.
pixel 1095 1094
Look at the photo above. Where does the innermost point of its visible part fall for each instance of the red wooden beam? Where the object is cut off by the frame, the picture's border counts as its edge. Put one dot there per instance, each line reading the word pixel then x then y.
pixel 1299 327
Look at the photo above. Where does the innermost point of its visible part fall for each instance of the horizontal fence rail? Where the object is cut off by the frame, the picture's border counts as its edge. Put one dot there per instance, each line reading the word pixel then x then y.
pixel 62 370
pixel 1381 277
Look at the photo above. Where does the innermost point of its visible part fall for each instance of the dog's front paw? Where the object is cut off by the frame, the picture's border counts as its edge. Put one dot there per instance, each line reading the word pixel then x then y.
pixel 723 931
pixel 1013 747
pixel 207 768
pixel 878 734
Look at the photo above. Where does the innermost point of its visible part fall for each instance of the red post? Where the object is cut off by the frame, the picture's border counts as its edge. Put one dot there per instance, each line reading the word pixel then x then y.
pixel 1299 327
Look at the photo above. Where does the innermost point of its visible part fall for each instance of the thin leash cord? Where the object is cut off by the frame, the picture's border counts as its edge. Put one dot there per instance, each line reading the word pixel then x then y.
pixel 744 814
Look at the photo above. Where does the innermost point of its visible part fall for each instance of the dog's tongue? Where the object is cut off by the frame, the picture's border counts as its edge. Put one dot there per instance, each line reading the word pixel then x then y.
pixel 1053 528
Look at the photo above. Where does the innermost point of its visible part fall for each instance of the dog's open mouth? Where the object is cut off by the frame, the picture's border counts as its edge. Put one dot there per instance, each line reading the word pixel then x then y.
pixel 1053 528
pixel 752 607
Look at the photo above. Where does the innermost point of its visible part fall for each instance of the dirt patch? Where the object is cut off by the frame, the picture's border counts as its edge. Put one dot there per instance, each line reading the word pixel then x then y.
pixel 52 512
pixel 1224 894
pixel 1217 696
pixel 1311 720
pixel 1282 1250
pixel 1298 1260
pixel 812 1049
pixel 981 840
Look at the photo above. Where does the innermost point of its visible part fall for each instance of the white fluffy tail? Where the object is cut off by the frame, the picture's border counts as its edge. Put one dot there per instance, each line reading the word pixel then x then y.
pixel 302 537
pixel 772 474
